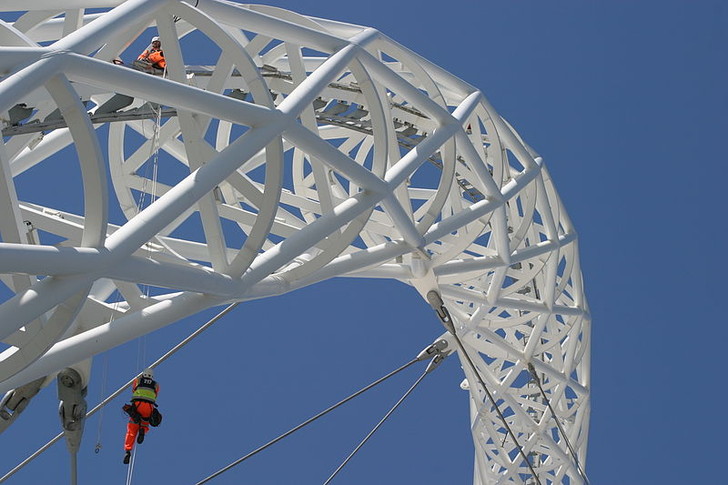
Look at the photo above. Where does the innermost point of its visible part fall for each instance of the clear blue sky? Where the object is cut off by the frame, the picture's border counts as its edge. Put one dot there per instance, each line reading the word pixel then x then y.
pixel 627 103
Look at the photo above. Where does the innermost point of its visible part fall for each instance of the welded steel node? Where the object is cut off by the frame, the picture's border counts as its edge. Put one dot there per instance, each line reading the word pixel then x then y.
pixel 366 159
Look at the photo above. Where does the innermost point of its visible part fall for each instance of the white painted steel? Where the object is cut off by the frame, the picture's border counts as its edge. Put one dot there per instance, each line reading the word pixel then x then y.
pixel 368 160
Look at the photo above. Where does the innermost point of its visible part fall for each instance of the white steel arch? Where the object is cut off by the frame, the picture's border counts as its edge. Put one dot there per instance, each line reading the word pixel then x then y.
pixel 305 149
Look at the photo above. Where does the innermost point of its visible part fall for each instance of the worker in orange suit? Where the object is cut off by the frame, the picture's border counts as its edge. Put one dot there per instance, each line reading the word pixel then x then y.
pixel 154 54
pixel 141 410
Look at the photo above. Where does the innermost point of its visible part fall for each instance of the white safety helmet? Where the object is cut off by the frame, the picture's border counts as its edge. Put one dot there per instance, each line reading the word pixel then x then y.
pixel 148 373
pixel 155 39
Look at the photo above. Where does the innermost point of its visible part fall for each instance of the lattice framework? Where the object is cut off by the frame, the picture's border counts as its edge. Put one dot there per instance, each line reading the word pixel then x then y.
pixel 306 149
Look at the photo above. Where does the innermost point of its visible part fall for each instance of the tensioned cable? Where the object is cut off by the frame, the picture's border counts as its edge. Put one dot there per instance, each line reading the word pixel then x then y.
pixel 124 387
pixel 308 421
pixel 581 471
pixel 430 367
pixel 443 313
pixel 74 468
pixel 497 409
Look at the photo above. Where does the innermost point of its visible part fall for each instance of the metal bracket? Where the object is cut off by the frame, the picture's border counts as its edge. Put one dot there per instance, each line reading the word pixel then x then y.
pixel 16 400
pixel 437 351
pixel 442 345
pixel 72 408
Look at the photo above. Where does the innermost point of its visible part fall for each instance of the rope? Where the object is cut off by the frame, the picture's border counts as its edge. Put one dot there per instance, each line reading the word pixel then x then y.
pixel 123 388
pixel 105 372
pixel 130 469
pixel 307 422
pixel 533 372
pixel 154 154
pixel 374 430
pixel 102 391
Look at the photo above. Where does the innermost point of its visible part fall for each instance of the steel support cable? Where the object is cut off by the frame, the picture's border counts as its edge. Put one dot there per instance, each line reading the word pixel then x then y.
pixel 427 352
pixel 74 468
pixel 116 393
pixel 442 312
pixel 433 364
pixel 497 409
pixel 581 471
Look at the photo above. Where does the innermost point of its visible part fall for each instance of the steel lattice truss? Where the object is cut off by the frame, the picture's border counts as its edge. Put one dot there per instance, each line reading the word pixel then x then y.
pixel 303 149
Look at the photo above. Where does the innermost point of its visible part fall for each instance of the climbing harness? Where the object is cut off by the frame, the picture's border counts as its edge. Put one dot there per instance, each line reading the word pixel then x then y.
pixel 435 300
pixel 535 377
pixel 436 351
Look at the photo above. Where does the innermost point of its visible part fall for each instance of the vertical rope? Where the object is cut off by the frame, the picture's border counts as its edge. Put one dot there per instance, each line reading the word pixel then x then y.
pixel 102 393
pixel 130 470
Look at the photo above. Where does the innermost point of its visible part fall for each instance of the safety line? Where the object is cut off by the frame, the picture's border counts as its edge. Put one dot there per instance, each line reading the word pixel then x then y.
pixel 307 422
pixel 124 387
pixel 102 391
pixel 379 424
pixel 130 468
pixel 581 471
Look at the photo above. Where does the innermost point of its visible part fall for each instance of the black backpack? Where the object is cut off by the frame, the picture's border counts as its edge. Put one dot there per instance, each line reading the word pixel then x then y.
pixel 156 418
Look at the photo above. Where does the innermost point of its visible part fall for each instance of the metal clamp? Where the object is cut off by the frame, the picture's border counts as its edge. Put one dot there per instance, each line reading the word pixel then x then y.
pixel 435 301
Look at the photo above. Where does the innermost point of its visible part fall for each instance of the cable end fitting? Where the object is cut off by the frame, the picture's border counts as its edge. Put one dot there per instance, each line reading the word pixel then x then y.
pixel 435 301
pixel 440 346
pixel 434 363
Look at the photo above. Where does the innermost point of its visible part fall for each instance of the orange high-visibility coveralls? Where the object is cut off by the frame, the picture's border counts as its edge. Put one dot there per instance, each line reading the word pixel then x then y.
pixel 154 56
pixel 144 395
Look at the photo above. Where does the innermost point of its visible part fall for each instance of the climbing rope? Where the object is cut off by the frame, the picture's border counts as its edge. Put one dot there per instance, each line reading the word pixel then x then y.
pixel 433 364
pixel 130 468
pixel 581 471
pixel 105 371
pixel 116 393
pixel 154 155
pixel 443 313
pixel 102 392
pixel 434 350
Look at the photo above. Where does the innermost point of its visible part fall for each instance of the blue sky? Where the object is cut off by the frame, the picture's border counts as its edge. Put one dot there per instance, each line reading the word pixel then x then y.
pixel 626 101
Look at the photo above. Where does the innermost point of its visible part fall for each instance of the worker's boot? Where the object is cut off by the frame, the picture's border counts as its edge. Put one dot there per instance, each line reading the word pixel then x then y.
pixel 127 457
pixel 140 436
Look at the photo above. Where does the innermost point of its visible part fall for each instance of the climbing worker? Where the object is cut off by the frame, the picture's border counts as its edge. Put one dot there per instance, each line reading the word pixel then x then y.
pixel 142 411
pixel 152 57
